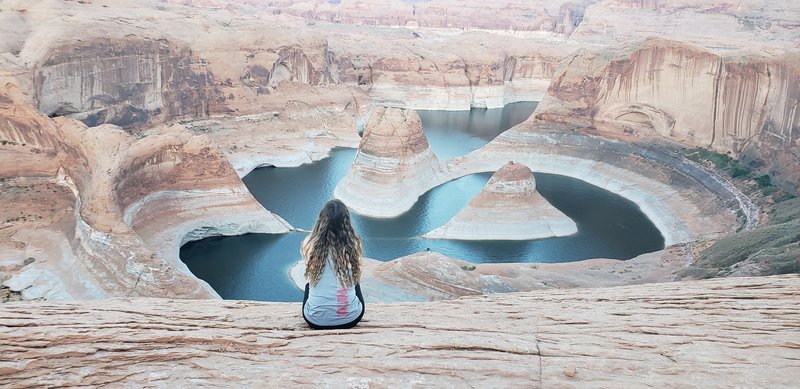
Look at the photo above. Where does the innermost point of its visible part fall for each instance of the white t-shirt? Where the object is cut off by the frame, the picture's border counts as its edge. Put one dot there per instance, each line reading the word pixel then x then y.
pixel 329 303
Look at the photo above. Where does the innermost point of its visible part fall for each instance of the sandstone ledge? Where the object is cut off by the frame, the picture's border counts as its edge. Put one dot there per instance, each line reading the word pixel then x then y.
pixel 723 333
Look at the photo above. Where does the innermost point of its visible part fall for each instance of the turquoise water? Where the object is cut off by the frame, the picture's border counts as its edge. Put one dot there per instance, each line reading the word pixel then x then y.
pixel 255 266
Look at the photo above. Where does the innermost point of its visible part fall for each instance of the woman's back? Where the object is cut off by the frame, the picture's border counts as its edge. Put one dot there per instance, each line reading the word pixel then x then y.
pixel 329 303
pixel 332 254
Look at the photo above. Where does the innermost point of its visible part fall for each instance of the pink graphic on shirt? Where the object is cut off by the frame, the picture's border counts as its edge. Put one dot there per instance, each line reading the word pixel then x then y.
pixel 341 298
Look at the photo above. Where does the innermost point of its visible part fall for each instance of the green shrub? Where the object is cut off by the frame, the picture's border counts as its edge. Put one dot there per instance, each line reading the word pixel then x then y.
pixel 720 161
pixel 734 248
pixel 737 170
pixel 767 191
pixel 785 211
pixel 764 181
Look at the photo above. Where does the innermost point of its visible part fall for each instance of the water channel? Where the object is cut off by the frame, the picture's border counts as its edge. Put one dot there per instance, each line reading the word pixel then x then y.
pixel 255 266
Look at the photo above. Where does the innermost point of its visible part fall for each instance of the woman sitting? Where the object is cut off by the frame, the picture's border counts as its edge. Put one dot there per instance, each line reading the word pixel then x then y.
pixel 332 253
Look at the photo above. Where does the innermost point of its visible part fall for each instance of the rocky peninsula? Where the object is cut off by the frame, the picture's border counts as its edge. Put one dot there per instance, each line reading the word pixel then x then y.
pixel 394 163
pixel 508 208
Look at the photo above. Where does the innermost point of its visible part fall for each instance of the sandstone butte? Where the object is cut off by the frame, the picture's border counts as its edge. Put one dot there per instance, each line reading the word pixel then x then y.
pixel 393 162
pixel 126 126
pixel 508 208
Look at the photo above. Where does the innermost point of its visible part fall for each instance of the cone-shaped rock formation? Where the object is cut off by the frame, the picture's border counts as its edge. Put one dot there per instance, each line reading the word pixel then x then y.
pixel 508 208
pixel 393 164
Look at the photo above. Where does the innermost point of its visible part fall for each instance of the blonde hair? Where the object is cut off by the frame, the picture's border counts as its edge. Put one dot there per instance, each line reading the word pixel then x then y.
pixel 333 235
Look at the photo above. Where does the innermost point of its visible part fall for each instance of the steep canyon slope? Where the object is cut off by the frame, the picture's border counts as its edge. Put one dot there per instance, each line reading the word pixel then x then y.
pixel 126 126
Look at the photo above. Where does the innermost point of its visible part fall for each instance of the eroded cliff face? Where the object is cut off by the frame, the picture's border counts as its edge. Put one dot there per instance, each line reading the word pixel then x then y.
pixel 123 82
pixel 106 210
pixel 737 103
pixel 559 17
pixel 211 62
pixel 439 73
pixel 719 25
pixel 79 235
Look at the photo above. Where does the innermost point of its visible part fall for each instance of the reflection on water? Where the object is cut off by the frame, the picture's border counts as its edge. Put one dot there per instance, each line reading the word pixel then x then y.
pixel 254 266
pixel 455 133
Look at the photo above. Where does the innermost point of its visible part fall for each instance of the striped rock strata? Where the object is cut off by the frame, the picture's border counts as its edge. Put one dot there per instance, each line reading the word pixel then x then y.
pixel 508 208
pixel 393 160
pixel 735 332
pixel 94 212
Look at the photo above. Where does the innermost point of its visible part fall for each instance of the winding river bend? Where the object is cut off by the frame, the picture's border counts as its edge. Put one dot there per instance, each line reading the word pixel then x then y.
pixel 255 266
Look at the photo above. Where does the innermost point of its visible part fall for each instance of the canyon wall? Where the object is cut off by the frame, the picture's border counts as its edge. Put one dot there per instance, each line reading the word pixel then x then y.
pixel 110 199
pixel 718 25
pixel 224 57
pixel 514 16
pixel 122 82
pixel 420 73
pixel 81 233
pixel 739 103
pixel 115 64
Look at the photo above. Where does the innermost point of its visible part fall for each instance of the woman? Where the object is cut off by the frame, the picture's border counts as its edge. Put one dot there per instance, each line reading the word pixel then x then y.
pixel 332 253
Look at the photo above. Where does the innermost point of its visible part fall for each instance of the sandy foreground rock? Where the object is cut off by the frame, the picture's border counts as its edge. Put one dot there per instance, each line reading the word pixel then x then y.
pixel 507 208
pixel 736 332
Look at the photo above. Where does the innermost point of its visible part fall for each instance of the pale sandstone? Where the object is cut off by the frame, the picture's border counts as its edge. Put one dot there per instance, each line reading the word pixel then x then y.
pixel 81 181
pixel 211 62
pixel 742 103
pixel 112 61
pixel 682 199
pixel 302 130
pixel 433 276
pixel 394 165
pixel 720 25
pixel 674 197
pixel 727 333
pixel 508 208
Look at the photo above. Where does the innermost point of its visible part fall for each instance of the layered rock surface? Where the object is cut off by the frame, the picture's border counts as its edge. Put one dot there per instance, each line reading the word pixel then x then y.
pixel 742 103
pixel 393 161
pixel 727 333
pixel 685 201
pixel 507 208
pixel 105 212
pixel 292 85
pixel 434 276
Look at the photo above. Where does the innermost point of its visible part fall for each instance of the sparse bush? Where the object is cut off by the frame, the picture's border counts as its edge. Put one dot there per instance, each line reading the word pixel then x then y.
pixel 720 161
pixel 772 246
pixel 785 211
pixel 764 181
pixel 737 170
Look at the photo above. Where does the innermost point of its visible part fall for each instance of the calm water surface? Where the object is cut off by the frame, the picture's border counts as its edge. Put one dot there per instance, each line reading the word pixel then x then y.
pixel 255 266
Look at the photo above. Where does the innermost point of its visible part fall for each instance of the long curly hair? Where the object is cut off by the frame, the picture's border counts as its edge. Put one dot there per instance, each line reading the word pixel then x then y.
pixel 333 235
